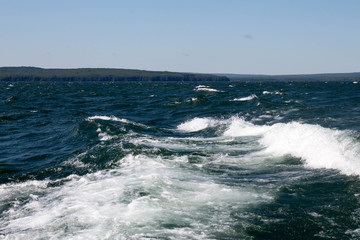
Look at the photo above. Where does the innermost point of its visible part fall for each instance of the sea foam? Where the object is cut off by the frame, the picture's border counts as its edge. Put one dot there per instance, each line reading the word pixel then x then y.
pixel 197 124
pixel 133 201
pixel 205 89
pixel 275 92
pixel 115 119
pixel 107 118
pixel 317 146
pixel 251 97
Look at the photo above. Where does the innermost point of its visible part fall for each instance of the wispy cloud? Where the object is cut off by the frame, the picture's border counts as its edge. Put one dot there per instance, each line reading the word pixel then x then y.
pixel 248 36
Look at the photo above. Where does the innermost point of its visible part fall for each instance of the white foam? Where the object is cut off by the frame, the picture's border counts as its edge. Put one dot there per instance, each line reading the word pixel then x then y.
pixel 317 146
pixel 115 119
pixel 240 128
pixel 11 190
pixel 251 97
pixel 197 124
pixel 275 92
pixel 216 145
pixel 107 118
pixel 190 100
pixel 205 89
pixel 104 136
pixel 133 201
pixel 355 233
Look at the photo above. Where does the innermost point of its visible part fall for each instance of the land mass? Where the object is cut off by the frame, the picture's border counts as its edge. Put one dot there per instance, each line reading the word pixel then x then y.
pixel 99 74
pixel 322 77
pixel 129 75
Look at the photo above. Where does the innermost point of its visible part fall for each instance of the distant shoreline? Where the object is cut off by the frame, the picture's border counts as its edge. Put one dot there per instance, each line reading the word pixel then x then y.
pixel 130 75
pixel 322 77
pixel 100 74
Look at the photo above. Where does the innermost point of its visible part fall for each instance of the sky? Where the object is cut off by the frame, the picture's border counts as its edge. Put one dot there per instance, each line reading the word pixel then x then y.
pixel 207 36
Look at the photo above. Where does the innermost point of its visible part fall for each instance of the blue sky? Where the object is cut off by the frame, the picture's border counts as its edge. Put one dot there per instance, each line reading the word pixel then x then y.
pixel 214 36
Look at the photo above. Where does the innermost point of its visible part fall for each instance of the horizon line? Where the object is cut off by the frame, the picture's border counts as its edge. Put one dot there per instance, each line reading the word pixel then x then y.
pixel 211 73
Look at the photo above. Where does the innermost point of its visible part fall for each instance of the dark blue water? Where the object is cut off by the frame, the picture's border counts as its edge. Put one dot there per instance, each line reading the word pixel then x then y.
pixel 179 160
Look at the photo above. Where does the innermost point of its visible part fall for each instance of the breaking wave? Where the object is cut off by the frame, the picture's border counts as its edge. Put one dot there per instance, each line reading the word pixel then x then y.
pixel 317 146
pixel 251 97
pixel 205 89
pixel 137 200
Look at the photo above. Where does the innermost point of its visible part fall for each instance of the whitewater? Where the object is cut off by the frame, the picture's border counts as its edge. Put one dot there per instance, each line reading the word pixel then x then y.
pixel 107 160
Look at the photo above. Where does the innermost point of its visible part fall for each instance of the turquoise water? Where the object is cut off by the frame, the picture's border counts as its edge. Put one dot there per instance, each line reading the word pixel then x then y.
pixel 234 160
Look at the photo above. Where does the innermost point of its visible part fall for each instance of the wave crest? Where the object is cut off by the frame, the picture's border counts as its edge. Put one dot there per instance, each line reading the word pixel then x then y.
pixel 197 124
pixel 317 146
pixel 248 98
pixel 205 89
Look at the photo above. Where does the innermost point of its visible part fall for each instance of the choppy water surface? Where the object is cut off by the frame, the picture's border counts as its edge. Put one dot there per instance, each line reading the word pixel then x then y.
pixel 179 160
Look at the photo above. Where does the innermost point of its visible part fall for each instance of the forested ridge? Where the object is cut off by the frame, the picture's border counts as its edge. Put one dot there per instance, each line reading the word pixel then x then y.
pixel 99 74
pixel 128 75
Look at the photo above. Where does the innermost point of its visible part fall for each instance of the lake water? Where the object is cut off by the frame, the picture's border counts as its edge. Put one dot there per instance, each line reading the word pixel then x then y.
pixel 220 160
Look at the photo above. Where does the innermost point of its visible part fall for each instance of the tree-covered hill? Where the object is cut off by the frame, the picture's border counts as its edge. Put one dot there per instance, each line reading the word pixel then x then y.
pixel 128 75
pixel 99 74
